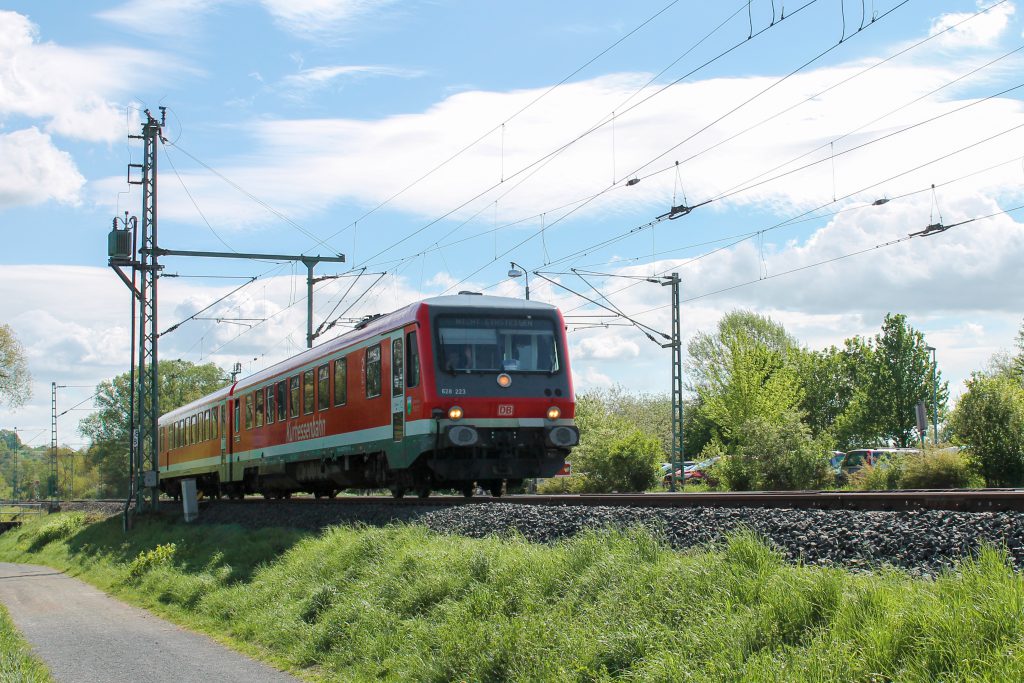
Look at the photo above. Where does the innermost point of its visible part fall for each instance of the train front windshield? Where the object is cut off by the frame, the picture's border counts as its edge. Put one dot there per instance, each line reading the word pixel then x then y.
pixel 497 344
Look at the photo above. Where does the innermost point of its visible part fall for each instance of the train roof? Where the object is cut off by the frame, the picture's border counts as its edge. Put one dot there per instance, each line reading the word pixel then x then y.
pixel 390 321
pixel 371 328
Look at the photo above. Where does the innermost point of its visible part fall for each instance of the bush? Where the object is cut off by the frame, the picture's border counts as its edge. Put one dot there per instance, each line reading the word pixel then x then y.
pixel 776 455
pixel 989 420
pixel 881 477
pixel 150 559
pixel 576 483
pixel 938 469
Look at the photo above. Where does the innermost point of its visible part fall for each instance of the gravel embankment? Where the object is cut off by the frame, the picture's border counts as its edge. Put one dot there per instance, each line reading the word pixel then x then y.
pixel 923 542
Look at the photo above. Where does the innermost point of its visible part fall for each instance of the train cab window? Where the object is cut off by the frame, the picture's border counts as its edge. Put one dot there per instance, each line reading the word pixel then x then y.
pixel 397 374
pixel 282 400
pixel 237 417
pixel 259 407
pixel 412 361
pixel 248 411
pixel 294 409
pixel 270 404
pixel 307 392
pixel 373 371
pixel 487 344
pixel 340 381
pixel 323 389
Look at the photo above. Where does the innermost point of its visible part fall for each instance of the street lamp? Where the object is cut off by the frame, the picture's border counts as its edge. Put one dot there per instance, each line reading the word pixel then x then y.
pixel 517 271
pixel 935 396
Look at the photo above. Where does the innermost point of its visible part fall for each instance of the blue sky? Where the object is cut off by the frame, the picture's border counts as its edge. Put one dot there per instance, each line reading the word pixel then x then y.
pixel 324 119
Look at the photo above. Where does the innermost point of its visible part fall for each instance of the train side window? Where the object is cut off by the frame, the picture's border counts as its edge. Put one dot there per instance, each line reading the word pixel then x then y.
pixel 270 404
pixel 340 381
pixel 323 389
pixel 259 407
pixel 397 374
pixel 192 430
pixel 216 423
pixel 373 371
pixel 207 426
pixel 412 361
pixel 282 400
pixel 237 417
pixel 308 387
pixel 248 411
pixel 294 411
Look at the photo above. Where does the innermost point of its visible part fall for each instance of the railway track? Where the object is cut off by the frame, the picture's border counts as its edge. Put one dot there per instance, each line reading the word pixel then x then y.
pixel 974 500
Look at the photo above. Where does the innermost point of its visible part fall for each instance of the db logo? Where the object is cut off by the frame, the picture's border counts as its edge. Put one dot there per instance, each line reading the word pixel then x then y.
pixel 506 410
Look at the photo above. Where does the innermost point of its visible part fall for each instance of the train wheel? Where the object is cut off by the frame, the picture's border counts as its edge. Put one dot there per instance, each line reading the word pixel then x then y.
pixel 333 493
pixel 397 492
pixel 424 492
pixel 467 491
pixel 495 489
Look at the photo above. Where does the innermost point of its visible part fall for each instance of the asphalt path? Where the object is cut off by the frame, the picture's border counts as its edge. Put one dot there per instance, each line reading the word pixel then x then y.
pixel 82 635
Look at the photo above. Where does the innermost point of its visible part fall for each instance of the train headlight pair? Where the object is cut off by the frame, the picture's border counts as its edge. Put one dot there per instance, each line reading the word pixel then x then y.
pixel 455 413
pixel 554 412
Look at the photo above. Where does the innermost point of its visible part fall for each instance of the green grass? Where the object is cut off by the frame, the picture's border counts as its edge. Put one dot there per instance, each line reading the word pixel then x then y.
pixel 404 604
pixel 17 663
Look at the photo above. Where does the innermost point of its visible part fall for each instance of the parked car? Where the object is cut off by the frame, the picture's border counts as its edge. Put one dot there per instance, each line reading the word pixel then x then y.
pixel 858 459
pixel 836 460
pixel 666 471
pixel 700 472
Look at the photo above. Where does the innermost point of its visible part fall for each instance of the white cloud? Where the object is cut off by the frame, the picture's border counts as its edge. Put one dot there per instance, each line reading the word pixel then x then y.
pixel 316 18
pixel 322 76
pixel 159 17
pixel 74 90
pixel 305 166
pixel 606 347
pixel 981 31
pixel 33 170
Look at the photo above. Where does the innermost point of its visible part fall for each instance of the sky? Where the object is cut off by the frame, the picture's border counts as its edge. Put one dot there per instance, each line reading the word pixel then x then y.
pixel 433 143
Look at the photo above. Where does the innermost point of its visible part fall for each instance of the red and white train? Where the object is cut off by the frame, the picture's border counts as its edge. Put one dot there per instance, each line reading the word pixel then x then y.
pixel 450 392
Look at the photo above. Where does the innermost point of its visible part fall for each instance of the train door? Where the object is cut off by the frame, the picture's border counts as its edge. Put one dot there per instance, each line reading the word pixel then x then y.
pixel 225 457
pixel 397 387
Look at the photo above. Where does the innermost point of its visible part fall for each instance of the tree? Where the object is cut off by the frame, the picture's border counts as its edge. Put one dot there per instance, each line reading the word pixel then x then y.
pixel 886 377
pixel 108 430
pixel 989 421
pixel 15 379
pixel 751 380
pixel 709 353
pixel 901 377
pixel 828 383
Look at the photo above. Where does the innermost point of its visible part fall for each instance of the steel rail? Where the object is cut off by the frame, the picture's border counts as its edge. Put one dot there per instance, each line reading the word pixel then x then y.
pixel 971 500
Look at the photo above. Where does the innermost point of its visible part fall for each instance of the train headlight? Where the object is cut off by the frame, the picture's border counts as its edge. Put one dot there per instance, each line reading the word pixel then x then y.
pixel 504 380
pixel 554 412
pixel 455 413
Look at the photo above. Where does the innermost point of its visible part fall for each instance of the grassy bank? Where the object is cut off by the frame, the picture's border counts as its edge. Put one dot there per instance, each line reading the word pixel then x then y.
pixel 404 604
pixel 17 663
